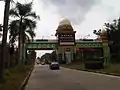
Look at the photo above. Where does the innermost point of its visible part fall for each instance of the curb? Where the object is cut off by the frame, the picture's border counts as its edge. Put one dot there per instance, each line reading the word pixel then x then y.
pixel 99 72
pixel 106 73
pixel 114 74
pixel 22 87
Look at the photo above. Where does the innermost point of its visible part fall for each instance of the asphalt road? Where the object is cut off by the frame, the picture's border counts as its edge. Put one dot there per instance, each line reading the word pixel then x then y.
pixel 66 79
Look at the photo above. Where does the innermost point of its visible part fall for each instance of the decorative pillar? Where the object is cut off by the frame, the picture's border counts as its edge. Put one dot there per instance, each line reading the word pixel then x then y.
pixel 57 57
pixel 106 51
pixel 72 53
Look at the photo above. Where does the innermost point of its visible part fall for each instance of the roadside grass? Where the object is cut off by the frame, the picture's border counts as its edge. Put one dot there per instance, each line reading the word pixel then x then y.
pixel 77 66
pixel 14 77
pixel 112 69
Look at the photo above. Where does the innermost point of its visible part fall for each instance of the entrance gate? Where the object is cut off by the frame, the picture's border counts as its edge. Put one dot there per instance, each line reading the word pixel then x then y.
pixel 54 45
pixel 66 45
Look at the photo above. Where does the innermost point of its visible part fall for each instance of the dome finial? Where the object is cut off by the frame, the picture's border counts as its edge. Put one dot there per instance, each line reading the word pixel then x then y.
pixel 64 22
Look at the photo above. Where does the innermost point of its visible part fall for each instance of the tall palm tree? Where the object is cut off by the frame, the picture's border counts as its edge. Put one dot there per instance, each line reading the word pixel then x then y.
pixel 4 38
pixel 23 25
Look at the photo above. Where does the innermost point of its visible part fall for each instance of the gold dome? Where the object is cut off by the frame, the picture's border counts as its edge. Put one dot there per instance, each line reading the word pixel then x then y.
pixel 65 25
pixel 64 22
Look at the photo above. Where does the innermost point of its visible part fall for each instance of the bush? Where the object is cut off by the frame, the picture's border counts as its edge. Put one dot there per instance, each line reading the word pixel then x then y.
pixel 14 77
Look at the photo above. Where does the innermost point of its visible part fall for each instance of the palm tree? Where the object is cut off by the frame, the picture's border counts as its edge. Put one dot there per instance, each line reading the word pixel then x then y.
pixel 23 25
pixel 4 38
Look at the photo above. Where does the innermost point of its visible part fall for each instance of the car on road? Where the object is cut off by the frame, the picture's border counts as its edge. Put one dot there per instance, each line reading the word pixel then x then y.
pixel 54 65
pixel 37 62
pixel 42 63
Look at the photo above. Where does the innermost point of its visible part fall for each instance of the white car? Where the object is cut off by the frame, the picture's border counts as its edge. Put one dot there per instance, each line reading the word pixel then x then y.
pixel 37 61
pixel 54 65
pixel 42 63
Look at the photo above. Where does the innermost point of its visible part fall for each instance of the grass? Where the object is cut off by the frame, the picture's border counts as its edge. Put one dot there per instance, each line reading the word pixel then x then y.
pixel 77 66
pixel 14 77
pixel 113 69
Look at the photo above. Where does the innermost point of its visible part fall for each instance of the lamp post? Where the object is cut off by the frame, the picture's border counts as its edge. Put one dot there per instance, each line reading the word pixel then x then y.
pixel 86 36
pixel 47 37
pixel 4 38
pixel 42 37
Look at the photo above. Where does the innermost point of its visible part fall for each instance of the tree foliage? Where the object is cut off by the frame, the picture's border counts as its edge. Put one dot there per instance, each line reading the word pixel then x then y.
pixel 22 26
pixel 24 19
pixel 113 34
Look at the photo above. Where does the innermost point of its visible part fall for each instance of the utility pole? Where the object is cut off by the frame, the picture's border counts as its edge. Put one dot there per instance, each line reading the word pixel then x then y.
pixel 4 39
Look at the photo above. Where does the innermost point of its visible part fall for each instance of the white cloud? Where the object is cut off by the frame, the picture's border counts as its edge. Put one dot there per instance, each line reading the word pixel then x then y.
pixel 45 23
pixel 1 11
pixel 94 19
pixel 106 11
pixel 75 10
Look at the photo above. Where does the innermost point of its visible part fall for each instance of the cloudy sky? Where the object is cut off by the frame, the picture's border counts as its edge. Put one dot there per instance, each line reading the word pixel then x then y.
pixel 85 15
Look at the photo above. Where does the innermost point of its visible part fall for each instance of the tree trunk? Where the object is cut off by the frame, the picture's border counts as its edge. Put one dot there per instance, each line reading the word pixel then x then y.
pixel 23 46
pixel 20 43
pixel 4 39
pixel 20 51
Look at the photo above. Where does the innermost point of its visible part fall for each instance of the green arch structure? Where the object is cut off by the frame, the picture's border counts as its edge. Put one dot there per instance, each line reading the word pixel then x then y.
pixel 53 45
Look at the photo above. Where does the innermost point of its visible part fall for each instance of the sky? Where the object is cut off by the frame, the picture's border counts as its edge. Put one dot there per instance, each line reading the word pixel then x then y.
pixel 84 15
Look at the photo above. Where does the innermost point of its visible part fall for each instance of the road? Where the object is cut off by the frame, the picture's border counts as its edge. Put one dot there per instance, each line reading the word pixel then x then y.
pixel 66 79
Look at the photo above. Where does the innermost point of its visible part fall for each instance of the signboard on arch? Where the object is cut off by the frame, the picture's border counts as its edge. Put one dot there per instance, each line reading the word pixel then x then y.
pixel 40 45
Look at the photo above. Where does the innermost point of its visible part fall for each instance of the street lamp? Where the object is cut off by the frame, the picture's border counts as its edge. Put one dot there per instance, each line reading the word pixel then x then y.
pixel 42 37
pixel 86 36
pixel 47 37
pixel 4 38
